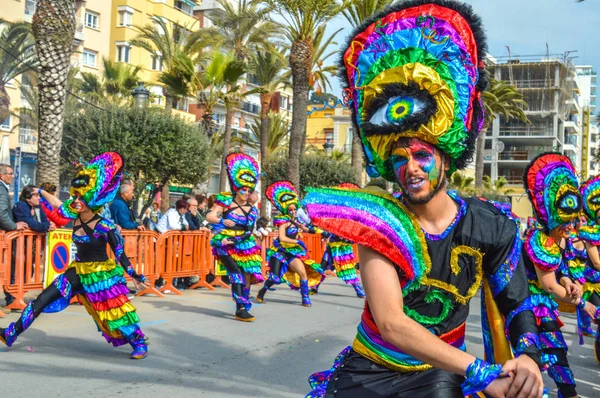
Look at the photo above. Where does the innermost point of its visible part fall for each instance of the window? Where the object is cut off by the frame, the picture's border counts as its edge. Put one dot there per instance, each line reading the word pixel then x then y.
pixel 123 51
pixel 30 7
pixel 89 58
pixel 6 124
pixel 158 26
pixel 125 16
pixel 91 19
pixel 185 6
pixel 157 63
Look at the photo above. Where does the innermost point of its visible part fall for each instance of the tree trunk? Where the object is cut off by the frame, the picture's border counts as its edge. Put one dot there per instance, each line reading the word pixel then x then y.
pixel 301 55
pixel 54 31
pixel 168 101
pixel 265 130
pixel 479 159
pixel 4 104
pixel 226 143
pixel 357 157
pixel 165 200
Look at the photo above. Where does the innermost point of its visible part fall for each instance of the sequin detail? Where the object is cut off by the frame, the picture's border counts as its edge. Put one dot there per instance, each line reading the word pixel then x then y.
pixel 479 375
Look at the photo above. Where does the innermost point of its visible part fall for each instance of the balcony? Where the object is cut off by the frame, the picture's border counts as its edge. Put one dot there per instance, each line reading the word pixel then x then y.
pixel 516 155
pixel 185 6
pixel 29 10
pixel 250 108
pixel 79 35
pixel 28 137
pixel 572 126
pixel 533 83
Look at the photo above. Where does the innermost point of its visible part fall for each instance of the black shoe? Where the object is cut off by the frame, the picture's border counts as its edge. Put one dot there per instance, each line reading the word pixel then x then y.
pixel 597 351
pixel 260 297
pixel 244 316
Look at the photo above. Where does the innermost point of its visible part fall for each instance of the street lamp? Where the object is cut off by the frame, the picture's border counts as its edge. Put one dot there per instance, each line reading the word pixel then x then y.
pixel 328 146
pixel 140 95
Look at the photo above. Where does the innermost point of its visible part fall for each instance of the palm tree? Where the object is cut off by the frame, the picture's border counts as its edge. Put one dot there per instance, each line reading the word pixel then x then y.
pixel 278 135
pixel 500 99
pixel 462 184
pixel 178 77
pixel 243 28
pixel 115 84
pixel 54 31
pixel 17 56
pixel 302 19
pixel 267 69
pixel 355 12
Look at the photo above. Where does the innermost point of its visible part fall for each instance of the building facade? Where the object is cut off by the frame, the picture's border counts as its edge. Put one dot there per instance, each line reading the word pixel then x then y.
pixel 587 84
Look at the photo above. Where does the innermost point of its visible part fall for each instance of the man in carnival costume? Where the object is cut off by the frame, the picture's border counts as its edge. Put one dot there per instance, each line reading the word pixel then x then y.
pixel 414 75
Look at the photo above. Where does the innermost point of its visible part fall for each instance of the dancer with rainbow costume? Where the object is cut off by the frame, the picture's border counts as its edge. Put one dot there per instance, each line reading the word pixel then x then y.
pixel 414 79
pixel 589 233
pixel 287 257
pixel 551 184
pixel 97 280
pixel 339 256
pixel 233 242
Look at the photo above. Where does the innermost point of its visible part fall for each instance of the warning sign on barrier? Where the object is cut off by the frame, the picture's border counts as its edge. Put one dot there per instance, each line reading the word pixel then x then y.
pixel 220 269
pixel 61 252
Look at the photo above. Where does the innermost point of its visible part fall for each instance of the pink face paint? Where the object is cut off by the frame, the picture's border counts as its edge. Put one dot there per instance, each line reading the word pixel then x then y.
pixel 421 152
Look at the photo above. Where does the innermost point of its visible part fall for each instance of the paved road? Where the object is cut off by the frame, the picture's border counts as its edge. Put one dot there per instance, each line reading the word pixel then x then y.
pixel 197 349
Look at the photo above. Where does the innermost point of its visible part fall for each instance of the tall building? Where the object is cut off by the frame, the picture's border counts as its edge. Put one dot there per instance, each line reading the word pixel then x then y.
pixel 587 83
pixel 549 88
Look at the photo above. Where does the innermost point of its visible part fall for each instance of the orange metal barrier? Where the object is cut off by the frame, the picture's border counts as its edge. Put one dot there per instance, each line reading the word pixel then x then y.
pixel 140 248
pixel 28 251
pixel 3 270
pixel 183 254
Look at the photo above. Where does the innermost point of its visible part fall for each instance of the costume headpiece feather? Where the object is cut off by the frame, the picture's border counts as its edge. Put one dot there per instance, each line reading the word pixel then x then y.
pixel 242 171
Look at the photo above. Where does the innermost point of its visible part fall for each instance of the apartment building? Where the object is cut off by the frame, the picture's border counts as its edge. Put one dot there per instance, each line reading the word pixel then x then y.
pixel 587 84
pixel 549 87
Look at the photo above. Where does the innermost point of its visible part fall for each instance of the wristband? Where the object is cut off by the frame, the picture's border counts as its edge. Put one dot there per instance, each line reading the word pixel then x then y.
pixel 479 375
pixel 581 304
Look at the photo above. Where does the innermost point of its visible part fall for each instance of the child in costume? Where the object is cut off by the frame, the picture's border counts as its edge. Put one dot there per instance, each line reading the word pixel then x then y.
pixel 414 79
pixel 339 256
pixel 287 257
pixel 97 280
pixel 553 190
pixel 589 233
pixel 233 243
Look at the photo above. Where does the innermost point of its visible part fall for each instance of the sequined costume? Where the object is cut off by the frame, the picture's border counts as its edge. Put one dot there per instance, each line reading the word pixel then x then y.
pixel 590 234
pixel 552 187
pixel 415 71
pixel 95 279
pixel 339 256
pixel 280 255
pixel 241 257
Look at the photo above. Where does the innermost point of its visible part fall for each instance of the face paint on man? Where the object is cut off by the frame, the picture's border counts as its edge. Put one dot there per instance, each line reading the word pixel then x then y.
pixel 417 166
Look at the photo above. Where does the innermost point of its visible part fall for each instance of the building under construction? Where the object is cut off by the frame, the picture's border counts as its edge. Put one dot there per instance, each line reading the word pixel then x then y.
pixel 549 88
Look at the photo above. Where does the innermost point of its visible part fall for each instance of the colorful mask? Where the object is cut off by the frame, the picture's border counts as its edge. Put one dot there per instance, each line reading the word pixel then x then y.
pixel 282 194
pixel 416 70
pixel 553 190
pixel 242 171
pixel 590 194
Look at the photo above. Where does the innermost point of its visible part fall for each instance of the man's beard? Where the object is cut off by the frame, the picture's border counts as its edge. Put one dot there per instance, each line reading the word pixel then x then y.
pixel 421 201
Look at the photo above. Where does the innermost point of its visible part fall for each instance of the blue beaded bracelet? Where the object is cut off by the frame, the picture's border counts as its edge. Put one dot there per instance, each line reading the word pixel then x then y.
pixel 581 304
pixel 479 375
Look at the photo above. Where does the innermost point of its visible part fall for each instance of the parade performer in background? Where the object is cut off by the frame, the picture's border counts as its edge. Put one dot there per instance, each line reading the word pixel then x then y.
pixel 339 256
pixel 287 257
pixel 414 79
pixel 589 233
pixel 552 187
pixel 233 243
pixel 97 280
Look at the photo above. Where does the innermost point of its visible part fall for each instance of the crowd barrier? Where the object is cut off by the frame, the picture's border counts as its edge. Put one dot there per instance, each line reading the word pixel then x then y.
pixel 174 254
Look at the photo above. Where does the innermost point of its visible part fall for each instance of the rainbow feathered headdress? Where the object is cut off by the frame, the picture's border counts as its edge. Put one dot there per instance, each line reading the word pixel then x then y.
pixel 590 195
pixel 96 183
pixel 553 189
pixel 416 70
pixel 282 194
pixel 242 171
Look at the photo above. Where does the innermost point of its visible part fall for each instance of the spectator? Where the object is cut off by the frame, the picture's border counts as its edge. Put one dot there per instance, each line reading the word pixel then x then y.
pixel 49 187
pixel 192 215
pixel 211 201
pixel 152 216
pixel 120 208
pixel 203 209
pixel 27 210
pixel 174 219
pixel 253 198
pixel 7 222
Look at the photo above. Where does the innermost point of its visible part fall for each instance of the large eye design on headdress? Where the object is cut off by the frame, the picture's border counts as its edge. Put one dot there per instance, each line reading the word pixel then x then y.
pixel 567 202
pixel 248 177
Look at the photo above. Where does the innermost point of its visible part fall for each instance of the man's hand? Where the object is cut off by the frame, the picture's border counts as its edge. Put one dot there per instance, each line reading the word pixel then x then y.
pixel 229 223
pixel 21 225
pixel 52 226
pixel 590 309
pixel 498 388
pixel 141 228
pixel 573 289
pixel 526 379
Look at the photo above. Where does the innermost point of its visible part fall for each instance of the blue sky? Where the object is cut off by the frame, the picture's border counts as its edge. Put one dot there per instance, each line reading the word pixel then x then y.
pixel 527 25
